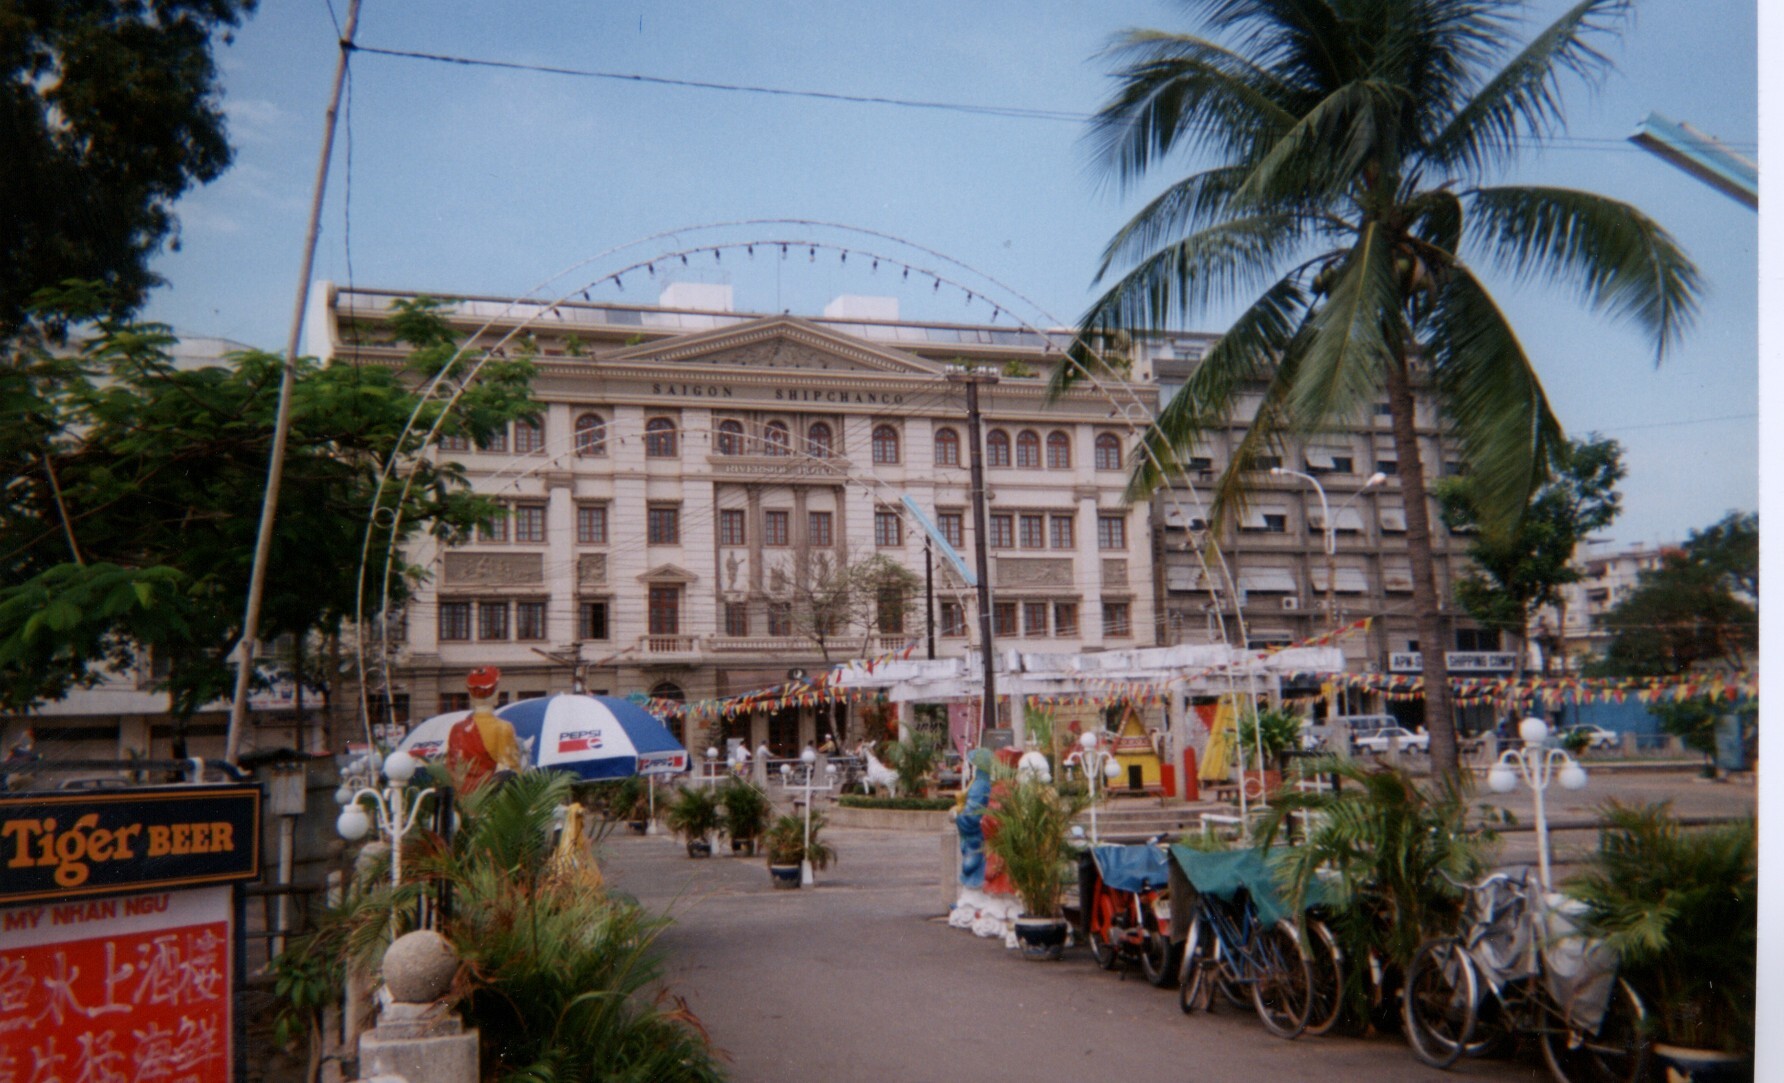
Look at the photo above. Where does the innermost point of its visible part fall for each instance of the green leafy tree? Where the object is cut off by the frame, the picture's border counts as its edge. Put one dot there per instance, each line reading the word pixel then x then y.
pixel 110 111
pixel 1685 614
pixel 1517 573
pixel 1346 143
pixel 129 525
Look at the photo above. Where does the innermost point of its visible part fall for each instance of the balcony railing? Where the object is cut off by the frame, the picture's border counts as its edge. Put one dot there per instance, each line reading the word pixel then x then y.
pixel 756 644
pixel 668 644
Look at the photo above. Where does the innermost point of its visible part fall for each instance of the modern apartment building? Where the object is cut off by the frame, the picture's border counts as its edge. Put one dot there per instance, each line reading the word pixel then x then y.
pixel 1608 575
pixel 692 466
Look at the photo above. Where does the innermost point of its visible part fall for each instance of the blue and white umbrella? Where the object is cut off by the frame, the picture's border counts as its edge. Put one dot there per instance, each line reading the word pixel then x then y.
pixel 427 741
pixel 595 736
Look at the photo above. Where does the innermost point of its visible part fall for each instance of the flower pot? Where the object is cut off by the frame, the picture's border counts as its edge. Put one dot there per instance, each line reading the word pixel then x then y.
pixel 699 848
pixel 1041 938
pixel 640 826
pixel 1687 1065
pixel 785 877
pixel 744 846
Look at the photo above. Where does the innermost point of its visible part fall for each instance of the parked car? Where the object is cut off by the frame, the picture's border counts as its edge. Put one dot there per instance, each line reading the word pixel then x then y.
pixel 1382 739
pixel 1594 736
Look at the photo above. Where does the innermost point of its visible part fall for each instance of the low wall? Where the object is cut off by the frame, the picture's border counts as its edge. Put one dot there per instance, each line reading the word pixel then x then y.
pixel 886 819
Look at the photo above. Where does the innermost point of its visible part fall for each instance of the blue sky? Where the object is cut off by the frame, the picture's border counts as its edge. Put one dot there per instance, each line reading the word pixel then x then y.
pixel 457 179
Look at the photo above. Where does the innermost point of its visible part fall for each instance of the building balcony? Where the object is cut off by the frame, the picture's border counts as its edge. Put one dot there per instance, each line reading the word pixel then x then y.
pixel 659 647
pixel 756 644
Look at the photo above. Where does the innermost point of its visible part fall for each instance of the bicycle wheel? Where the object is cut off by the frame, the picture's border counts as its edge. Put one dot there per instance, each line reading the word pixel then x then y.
pixel 1618 1053
pixel 1326 962
pixel 1158 958
pixel 1196 986
pixel 1282 991
pixel 1101 930
pixel 1438 1005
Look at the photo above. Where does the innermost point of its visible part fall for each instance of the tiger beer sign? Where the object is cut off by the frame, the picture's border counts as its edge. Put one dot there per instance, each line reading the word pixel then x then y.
pixel 71 845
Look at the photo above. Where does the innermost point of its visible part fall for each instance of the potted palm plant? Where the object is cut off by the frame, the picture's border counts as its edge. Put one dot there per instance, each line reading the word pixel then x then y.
pixel 1279 732
pixel 1028 831
pixel 1681 910
pixel 746 814
pixel 788 849
pixel 694 815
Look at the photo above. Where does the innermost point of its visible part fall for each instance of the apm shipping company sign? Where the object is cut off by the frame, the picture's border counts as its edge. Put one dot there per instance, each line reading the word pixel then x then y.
pixel 118 931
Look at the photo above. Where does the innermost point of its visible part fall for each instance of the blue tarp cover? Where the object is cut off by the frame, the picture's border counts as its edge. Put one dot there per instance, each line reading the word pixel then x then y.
pixel 1132 868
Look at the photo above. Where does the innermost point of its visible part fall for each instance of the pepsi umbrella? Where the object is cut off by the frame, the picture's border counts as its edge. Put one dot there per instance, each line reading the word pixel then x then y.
pixel 595 737
pixel 427 741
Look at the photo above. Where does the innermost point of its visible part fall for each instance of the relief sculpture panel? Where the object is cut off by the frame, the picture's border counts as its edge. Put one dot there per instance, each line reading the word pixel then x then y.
pixel 1115 571
pixel 1034 572
pixel 591 570
pixel 494 569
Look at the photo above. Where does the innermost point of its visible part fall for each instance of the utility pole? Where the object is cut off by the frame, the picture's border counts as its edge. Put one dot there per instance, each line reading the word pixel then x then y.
pixel 972 378
pixel 929 590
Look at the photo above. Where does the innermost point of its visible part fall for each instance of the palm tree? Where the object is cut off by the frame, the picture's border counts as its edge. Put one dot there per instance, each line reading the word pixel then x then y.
pixel 1350 140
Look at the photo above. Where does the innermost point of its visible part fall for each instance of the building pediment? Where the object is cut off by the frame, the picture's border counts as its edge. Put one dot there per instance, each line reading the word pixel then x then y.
pixel 669 573
pixel 776 343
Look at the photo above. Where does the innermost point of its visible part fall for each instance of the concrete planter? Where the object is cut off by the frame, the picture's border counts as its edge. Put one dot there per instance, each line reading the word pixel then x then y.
pixel 885 819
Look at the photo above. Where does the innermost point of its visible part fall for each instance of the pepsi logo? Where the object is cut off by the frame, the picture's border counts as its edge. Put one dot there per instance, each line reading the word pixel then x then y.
pixel 578 741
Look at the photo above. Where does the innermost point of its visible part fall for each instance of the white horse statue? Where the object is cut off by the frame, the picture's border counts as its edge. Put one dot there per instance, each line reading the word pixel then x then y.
pixel 878 774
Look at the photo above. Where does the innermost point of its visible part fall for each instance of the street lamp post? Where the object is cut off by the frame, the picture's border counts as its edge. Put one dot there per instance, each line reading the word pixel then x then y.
pixel 712 774
pixel 1535 762
pixel 396 810
pixel 1098 763
pixel 1331 528
pixel 810 759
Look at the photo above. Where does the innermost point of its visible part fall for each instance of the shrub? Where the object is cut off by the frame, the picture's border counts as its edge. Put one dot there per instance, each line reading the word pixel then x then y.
pixel 1033 822
pixel 694 814
pixel 786 845
pixel 746 809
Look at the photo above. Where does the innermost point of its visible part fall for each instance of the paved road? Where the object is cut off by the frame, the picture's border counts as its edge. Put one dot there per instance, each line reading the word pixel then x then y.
pixel 859 978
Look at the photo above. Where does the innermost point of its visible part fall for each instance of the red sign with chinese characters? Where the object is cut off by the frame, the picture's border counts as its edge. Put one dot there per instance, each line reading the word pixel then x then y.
pixel 132 989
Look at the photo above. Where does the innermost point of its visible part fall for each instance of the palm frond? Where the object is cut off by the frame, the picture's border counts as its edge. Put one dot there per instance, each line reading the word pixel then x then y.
pixel 1180 92
pixel 1509 436
pixel 1320 156
pixel 1621 260
pixel 1184 208
pixel 1352 336
pixel 1524 98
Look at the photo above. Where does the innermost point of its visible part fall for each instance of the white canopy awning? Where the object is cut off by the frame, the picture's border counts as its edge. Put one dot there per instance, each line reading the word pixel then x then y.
pixel 1393 518
pixel 1347 519
pixel 1349 580
pixel 1268 580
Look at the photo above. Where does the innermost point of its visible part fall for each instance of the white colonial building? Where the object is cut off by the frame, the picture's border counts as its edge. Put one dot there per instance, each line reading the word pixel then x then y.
pixel 693 465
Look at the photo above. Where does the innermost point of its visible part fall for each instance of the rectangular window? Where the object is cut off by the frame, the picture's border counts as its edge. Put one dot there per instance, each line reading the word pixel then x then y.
pixel 891 606
pixel 498 440
pixel 495 528
pixel 953 619
pixel 455 443
pixel 888 529
pixel 780 619
pixel 1034 618
pixel 455 701
pixel 1117 620
pixel 529 438
pixel 455 621
pixel 663 524
pixel 529 620
pixel 1265 462
pixel 1003 618
pixel 1003 531
pixel 1111 532
pixel 492 620
pixel 1390 467
pixel 820 529
pixel 731 526
pixel 591 524
pixel 1065 619
pixel 774 528
pixel 1199 462
pixel 1032 530
pixel 1275 524
pixel 952 525
pixel 1064 535
pixel 591 622
pixel 1343 464
pixel 665 611
pixel 529 522
pixel 737 619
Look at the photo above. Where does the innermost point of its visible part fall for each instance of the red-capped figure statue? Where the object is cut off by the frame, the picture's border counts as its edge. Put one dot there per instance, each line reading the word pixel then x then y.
pixel 484 744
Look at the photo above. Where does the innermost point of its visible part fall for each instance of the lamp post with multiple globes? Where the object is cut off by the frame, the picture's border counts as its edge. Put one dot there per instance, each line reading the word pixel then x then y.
pixel 396 809
pixel 1098 763
pixel 1536 763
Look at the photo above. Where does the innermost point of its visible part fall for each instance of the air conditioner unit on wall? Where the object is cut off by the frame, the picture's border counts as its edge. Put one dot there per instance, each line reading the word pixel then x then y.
pixel 1291 602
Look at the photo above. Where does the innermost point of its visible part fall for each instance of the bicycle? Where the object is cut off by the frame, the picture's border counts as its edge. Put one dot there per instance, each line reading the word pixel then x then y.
pixel 1545 978
pixel 1127 908
pixel 1236 942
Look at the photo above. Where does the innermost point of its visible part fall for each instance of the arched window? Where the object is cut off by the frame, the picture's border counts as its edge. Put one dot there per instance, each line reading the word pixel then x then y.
pixel 591 435
pixel 818 440
pixel 730 438
pixel 668 690
pixel 1059 451
pixel 775 440
pixel 997 448
pixel 659 439
pixel 1028 450
pixel 947 447
pixel 885 444
pixel 1108 452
